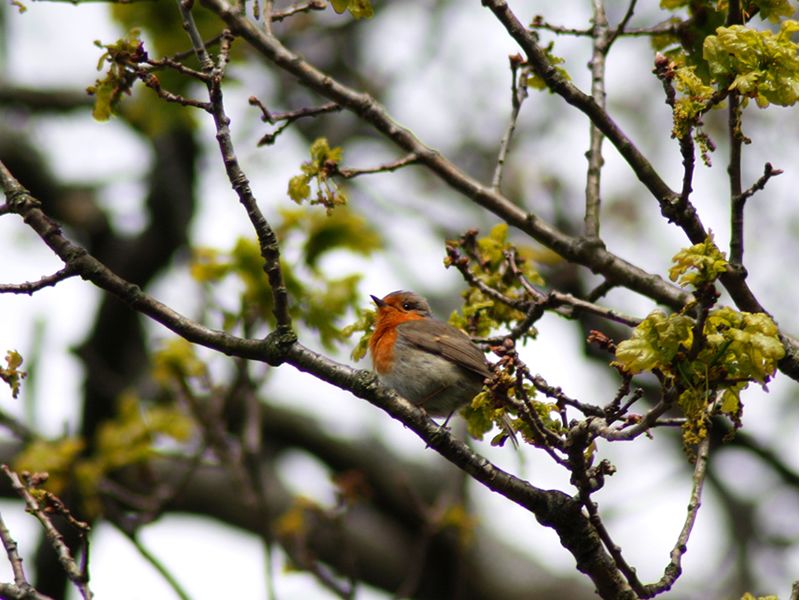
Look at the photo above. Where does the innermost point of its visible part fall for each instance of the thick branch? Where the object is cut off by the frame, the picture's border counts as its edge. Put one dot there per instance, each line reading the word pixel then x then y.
pixel 552 508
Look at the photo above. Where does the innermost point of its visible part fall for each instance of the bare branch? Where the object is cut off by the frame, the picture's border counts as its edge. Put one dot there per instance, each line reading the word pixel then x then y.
pixel 620 29
pixel 62 100
pixel 673 570
pixel 20 579
pixel 591 219
pixel 76 574
pixel 555 508
pixel 159 566
pixel 408 159
pixel 737 214
pixel 267 240
pixel 29 287
pixel 519 92
pixel 538 22
pixel 289 117
pixel 298 8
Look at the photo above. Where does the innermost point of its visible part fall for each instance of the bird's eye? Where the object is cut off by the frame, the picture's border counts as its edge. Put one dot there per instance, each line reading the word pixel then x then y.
pixel 408 305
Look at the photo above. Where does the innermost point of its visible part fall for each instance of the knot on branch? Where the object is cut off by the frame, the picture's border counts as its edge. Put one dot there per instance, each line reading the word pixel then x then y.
pixel 588 246
pixel 365 382
pixel 277 345
pixel 21 201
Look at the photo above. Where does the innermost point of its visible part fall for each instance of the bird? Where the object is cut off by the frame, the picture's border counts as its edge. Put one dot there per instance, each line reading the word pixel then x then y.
pixel 430 363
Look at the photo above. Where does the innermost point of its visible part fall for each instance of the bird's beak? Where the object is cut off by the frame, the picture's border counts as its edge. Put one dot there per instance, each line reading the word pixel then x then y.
pixel 378 302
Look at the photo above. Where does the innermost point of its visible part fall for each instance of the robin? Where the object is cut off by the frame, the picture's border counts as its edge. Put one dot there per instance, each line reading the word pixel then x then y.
pixel 430 363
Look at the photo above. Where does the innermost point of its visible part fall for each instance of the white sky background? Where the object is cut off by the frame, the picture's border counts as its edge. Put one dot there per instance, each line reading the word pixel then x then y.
pixel 650 490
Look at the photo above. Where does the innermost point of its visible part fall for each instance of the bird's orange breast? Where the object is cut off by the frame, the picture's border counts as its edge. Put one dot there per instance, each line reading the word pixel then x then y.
pixel 381 344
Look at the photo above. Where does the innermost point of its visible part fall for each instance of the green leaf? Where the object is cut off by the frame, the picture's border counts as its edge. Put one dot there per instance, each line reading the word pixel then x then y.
pixel 299 189
pixel 11 373
pixel 121 56
pixel 360 9
pixel 535 81
pixel 655 342
pixel 319 171
pixel 773 10
pixel 698 265
pixel 758 64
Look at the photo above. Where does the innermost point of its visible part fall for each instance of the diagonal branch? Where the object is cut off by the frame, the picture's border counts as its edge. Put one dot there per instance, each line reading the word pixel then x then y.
pixel 552 508
pixel 672 205
pixel 599 260
pixel 616 270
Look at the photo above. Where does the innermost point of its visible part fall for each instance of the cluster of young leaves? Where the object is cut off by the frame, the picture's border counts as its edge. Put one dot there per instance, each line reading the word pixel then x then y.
pixel 318 301
pixel 758 64
pixel 319 171
pixel 360 9
pixel 11 373
pixel 488 410
pixel 736 348
pixel 693 101
pixel 488 261
pixel 698 265
pixel 708 58
pixel 127 440
pixel 119 77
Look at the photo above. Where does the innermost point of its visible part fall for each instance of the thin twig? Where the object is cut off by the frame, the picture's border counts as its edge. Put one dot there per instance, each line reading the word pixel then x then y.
pixel 620 29
pixel 20 580
pixel 29 287
pixel 298 8
pixel 737 214
pixel 159 566
pixel 673 569
pixel 591 219
pixel 519 91
pixel 199 47
pixel 268 241
pixel 75 574
pixel 151 81
pixel 288 117
pixel 664 70
pixel 557 394
pixel 589 480
pixel 408 159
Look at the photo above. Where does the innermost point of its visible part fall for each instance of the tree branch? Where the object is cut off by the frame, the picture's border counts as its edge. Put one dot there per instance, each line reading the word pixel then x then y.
pixel 673 570
pixel 598 260
pixel 552 508
pixel 519 92
pixel 76 575
pixel 267 240
pixel 672 206
pixel 29 287
pixel 600 36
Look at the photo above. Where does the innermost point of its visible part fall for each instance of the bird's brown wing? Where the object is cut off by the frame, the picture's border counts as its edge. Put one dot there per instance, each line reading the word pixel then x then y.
pixel 445 340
